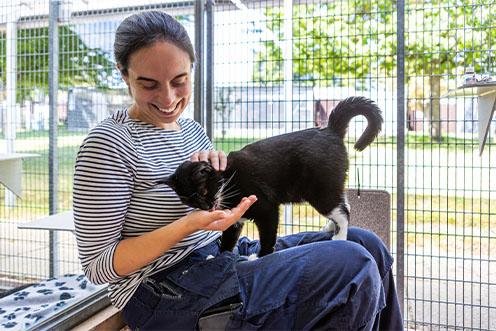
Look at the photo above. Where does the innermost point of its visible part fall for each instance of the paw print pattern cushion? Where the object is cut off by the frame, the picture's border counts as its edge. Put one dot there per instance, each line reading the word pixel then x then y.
pixel 31 305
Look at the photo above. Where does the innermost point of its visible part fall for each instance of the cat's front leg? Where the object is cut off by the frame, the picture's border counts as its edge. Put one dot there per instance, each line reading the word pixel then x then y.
pixel 230 237
pixel 267 226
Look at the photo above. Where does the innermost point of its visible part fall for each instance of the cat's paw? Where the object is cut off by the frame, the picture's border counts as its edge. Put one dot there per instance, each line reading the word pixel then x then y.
pixel 341 235
pixel 252 257
pixel 329 227
pixel 209 257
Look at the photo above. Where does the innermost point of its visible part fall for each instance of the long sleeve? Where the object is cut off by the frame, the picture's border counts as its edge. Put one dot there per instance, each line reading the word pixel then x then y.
pixel 103 183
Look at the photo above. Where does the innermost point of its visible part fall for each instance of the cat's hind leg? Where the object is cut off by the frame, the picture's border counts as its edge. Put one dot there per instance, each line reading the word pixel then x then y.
pixel 339 218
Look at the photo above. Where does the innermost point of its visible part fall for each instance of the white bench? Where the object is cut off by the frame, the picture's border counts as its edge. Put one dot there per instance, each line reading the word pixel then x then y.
pixel 57 222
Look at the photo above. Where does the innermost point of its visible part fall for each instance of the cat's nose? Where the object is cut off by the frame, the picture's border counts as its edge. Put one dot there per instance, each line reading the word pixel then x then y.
pixel 205 205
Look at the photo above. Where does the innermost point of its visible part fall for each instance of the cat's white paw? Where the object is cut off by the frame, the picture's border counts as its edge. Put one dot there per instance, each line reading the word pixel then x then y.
pixel 209 257
pixel 340 236
pixel 329 227
pixel 252 257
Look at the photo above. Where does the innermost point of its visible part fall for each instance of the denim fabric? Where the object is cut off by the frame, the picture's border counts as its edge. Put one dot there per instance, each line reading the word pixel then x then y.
pixel 309 282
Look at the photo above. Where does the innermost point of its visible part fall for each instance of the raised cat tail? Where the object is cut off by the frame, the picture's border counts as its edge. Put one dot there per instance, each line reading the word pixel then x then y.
pixel 350 107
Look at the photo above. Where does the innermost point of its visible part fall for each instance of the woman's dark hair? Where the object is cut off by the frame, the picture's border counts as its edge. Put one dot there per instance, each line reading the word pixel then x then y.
pixel 143 29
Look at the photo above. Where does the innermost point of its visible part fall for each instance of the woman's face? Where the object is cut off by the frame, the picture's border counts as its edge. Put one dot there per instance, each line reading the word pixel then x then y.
pixel 159 80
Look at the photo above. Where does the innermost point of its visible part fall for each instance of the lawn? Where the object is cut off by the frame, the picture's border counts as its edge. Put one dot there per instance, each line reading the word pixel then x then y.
pixel 438 213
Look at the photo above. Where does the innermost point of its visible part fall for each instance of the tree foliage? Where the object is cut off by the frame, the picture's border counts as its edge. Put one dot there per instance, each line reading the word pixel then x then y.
pixel 345 42
pixel 79 65
pixel 350 43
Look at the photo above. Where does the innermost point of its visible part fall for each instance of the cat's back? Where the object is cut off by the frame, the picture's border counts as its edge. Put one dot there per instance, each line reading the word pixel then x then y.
pixel 308 141
pixel 279 155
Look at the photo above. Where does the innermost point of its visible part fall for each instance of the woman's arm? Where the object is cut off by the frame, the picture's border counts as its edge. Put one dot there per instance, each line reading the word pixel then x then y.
pixel 134 253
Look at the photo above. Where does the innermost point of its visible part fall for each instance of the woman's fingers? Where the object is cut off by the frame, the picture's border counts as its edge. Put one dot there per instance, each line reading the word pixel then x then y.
pixel 222 161
pixel 217 159
pixel 222 219
pixel 243 206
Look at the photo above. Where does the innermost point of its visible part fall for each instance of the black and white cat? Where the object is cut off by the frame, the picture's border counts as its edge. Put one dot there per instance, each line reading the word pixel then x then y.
pixel 309 165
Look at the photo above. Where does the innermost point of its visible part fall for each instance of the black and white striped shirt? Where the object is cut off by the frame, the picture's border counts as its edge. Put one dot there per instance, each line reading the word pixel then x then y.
pixel 116 195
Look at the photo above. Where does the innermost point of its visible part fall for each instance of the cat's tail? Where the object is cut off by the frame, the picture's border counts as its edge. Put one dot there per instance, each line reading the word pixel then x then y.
pixel 350 107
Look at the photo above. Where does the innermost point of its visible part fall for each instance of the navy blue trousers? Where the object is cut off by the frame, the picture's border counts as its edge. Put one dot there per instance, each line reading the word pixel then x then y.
pixel 309 283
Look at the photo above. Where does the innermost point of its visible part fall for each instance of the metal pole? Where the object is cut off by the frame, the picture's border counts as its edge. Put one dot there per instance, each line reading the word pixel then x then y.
pixel 400 196
pixel 199 41
pixel 209 74
pixel 11 86
pixel 287 53
pixel 53 86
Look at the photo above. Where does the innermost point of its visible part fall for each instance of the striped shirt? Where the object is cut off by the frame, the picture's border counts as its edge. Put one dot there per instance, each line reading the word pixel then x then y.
pixel 116 195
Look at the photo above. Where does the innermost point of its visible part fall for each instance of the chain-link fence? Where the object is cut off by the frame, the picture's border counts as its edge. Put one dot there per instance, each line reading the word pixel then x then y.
pixel 280 66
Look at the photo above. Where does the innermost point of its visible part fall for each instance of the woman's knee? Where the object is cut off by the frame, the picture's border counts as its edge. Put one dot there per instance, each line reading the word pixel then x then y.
pixel 330 256
pixel 374 245
pixel 335 265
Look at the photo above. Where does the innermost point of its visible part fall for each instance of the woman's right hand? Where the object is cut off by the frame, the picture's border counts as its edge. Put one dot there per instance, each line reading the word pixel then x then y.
pixel 218 220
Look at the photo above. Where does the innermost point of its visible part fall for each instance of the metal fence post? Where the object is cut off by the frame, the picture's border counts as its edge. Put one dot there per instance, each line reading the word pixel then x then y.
pixel 53 86
pixel 209 69
pixel 287 51
pixel 400 197
pixel 10 120
pixel 199 65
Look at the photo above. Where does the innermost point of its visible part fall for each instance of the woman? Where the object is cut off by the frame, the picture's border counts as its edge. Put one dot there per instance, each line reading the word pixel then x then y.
pixel 161 259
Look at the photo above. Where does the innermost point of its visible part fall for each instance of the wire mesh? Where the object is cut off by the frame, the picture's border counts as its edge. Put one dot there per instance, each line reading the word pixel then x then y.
pixel 89 90
pixel 280 66
pixel 343 48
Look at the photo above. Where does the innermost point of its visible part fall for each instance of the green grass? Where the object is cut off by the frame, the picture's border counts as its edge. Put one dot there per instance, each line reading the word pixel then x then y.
pixel 231 144
pixel 441 211
pixel 424 142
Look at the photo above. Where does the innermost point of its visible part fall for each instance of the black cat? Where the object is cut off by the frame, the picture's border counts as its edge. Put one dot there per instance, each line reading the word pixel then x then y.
pixel 309 165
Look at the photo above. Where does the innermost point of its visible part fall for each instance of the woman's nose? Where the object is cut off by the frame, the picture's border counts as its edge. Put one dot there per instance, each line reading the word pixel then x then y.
pixel 167 97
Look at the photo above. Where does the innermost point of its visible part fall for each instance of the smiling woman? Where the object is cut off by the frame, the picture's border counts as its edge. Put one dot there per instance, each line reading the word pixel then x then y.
pixel 128 225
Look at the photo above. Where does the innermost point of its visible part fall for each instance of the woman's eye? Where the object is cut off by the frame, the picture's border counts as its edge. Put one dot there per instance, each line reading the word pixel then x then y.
pixel 149 87
pixel 179 83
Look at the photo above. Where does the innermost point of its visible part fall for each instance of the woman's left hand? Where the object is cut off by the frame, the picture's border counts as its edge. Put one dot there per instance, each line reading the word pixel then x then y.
pixel 218 159
pixel 217 220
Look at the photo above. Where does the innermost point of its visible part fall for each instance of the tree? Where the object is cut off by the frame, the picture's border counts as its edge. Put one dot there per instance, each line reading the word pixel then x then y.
pixel 79 65
pixel 345 43
pixel 330 48
pixel 224 106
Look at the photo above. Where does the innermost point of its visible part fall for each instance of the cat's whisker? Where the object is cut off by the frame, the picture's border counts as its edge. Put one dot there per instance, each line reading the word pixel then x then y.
pixel 230 191
pixel 230 195
pixel 230 188
pixel 229 179
pixel 223 206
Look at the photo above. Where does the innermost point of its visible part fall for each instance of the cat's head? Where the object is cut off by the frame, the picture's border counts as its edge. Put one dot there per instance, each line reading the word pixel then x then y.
pixel 196 184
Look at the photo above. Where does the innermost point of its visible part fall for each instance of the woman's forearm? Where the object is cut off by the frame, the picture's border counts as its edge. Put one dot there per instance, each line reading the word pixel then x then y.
pixel 134 253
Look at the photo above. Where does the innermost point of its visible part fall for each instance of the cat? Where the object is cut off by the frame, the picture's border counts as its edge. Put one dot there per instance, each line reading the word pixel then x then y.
pixel 309 165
